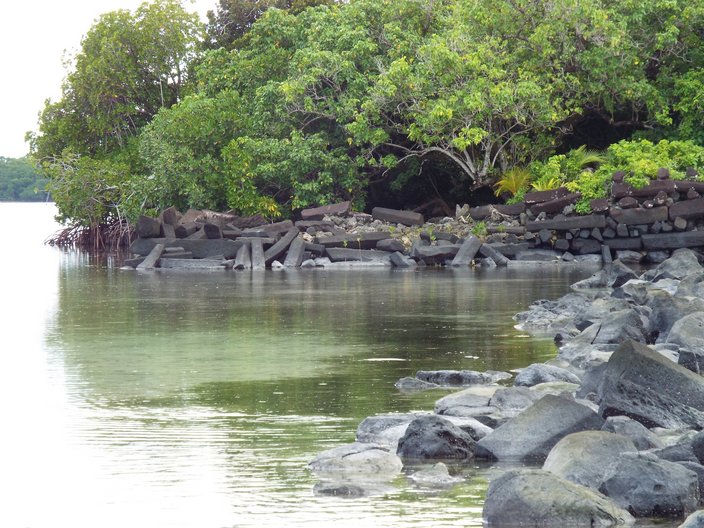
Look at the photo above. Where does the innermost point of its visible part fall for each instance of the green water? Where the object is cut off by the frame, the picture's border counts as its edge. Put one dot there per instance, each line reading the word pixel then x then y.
pixel 197 399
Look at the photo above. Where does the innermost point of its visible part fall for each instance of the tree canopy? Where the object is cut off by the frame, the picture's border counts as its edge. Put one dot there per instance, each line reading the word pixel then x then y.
pixel 298 103
pixel 20 181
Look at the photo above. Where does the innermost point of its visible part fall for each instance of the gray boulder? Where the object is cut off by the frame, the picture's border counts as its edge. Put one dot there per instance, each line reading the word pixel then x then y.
pixel 459 378
pixel 681 452
pixel 612 276
pixel 642 384
pixel 695 520
pixel 688 334
pixel 461 403
pixel 691 286
pixel 641 436
pixel 384 429
pixel 533 497
pixel 473 427
pixel 697 443
pixel 432 437
pixel 531 435
pixel 584 457
pixel 621 325
pixel 358 460
pixel 435 476
pixel 667 309
pixel 351 489
pixel 649 487
pixel 683 262
pixel 513 400
pixel 547 316
pixel 414 385
pixel 541 373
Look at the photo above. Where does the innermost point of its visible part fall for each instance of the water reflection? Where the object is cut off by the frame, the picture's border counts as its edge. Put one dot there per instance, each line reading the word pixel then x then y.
pixel 197 399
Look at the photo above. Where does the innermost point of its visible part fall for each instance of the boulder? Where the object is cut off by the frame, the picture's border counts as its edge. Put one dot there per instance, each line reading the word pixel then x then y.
pixel 613 276
pixel 680 452
pixel 459 378
pixel 317 213
pixel 358 460
pixel 541 373
pixel 512 400
pixel 435 476
pixel 621 325
pixel 688 334
pixel 148 227
pixel 694 520
pixel 667 309
pixel 385 429
pixel 531 435
pixel 414 385
pixel 682 263
pixel 395 216
pixel 432 437
pixel 351 488
pixel 691 286
pixel 697 443
pixel 533 497
pixel 644 385
pixel 649 487
pixel 641 436
pixel 461 403
pixel 584 457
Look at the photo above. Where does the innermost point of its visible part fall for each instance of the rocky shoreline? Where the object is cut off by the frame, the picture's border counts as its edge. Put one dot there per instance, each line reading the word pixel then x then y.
pixel 607 432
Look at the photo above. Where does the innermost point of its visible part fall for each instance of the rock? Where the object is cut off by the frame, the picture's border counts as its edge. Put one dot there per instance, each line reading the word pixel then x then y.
pixel 358 460
pixel 435 254
pixel 436 476
pixel 611 276
pixel 414 385
pixel 536 197
pixel 358 255
pixel 385 429
pixel 640 383
pixel 688 334
pixel 391 245
pixel 467 251
pixel 649 487
pixel 490 252
pixel 682 452
pixel 629 257
pixel 620 326
pixel 458 403
pixel 367 240
pixel 538 255
pixel 533 497
pixel 667 309
pixel 565 224
pixel 395 216
pixel 257 254
pixel 294 256
pixel 529 436
pixel 697 443
pixel 687 209
pixel 473 427
pixel 512 400
pixel 691 286
pixel 399 260
pixel 632 216
pixel 317 213
pixel 694 520
pixel 584 457
pixel 432 437
pixel 279 249
pixel 484 211
pixel 685 239
pixel 541 373
pixel 459 378
pixel 681 264
pixel 642 437
pixel 148 227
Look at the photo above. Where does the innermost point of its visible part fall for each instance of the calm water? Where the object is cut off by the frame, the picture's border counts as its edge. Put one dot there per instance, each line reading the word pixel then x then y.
pixel 197 399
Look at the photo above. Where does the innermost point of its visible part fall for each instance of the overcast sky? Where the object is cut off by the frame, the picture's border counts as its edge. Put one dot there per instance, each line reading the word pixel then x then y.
pixel 33 37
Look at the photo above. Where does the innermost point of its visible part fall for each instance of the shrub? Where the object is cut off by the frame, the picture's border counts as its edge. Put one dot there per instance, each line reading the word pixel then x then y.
pixel 514 182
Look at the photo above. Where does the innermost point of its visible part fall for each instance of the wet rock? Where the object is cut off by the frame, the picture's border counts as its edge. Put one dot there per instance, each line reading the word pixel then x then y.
pixel 351 489
pixel 432 437
pixel 584 457
pixel 667 309
pixel 533 497
pixel 461 403
pixel 649 487
pixel 436 476
pixel 620 326
pixel 358 459
pixel 414 385
pixel 512 400
pixel 470 425
pixel 641 436
pixel 640 383
pixel 531 435
pixel 458 378
pixel 609 277
pixel 682 263
pixel 694 520
pixel 541 373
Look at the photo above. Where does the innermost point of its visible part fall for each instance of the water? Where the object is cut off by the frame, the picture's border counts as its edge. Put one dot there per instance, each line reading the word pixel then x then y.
pixel 197 399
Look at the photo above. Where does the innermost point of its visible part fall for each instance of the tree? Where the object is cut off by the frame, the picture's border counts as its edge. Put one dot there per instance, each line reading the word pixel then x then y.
pixel 20 182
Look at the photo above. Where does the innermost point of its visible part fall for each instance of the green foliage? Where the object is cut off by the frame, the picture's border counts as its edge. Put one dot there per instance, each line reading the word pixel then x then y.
pixel 546 183
pixel 591 185
pixel 479 229
pixel 641 159
pixel 20 181
pixel 513 182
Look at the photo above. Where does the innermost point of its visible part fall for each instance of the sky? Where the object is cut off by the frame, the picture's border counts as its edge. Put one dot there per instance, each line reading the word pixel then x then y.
pixel 34 34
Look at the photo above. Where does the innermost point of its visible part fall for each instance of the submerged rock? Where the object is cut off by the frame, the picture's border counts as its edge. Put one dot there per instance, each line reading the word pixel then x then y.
pixel 533 497
pixel 436 476
pixel 358 460
pixel 458 378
